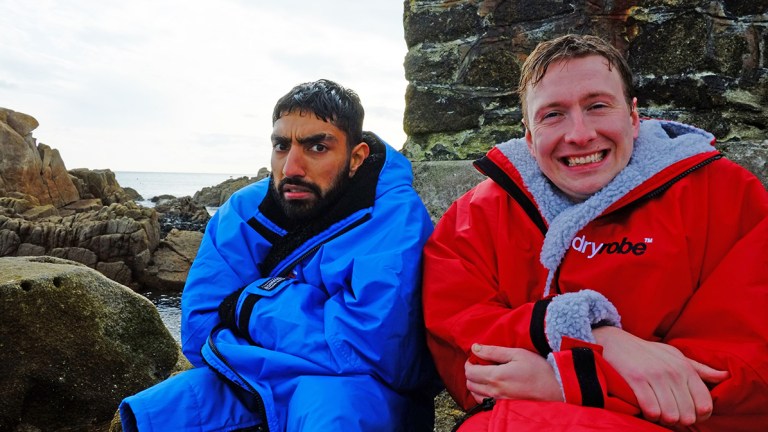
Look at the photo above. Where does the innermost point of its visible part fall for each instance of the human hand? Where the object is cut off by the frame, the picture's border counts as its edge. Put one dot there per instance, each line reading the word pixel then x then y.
pixel 516 374
pixel 669 387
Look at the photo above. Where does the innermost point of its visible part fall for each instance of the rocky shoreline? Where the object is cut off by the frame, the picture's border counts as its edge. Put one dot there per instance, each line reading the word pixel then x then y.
pixel 86 216
pixel 70 236
pixel 75 248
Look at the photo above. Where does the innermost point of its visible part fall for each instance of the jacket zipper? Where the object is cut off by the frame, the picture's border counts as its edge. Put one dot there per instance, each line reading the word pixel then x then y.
pixel 659 190
pixel 262 412
pixel 287 269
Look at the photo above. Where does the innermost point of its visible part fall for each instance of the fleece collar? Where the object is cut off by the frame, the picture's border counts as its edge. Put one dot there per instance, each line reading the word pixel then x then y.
pixel 659 145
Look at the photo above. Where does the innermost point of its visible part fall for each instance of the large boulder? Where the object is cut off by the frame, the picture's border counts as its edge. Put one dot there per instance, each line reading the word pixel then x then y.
pixel 74 344
pixel 170 264
pixel 35 170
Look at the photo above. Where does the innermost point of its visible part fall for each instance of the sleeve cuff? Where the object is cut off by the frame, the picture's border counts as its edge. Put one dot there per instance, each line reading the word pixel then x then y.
pixel 586 379
pixel 576 371
pixel 575 314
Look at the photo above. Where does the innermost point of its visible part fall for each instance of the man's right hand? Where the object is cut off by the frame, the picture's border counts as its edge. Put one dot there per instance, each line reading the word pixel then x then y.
pixel 510 373
pixel 669 387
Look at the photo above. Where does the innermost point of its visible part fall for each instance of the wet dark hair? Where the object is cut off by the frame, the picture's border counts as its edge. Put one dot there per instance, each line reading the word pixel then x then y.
pixel 329 102
pixel 568 47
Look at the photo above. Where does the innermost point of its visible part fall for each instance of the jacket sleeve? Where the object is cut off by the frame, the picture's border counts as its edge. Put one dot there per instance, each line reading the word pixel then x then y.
pixel 215 274
pixel 362 316
pixel 724 324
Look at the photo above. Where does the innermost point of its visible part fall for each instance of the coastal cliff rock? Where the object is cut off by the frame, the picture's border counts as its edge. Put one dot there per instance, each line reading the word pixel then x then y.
pixel 215 196
pixel 83 215
pixel 116 240
pixel 698 62
pixel 102 184
pixel 74 345
pixel 28 168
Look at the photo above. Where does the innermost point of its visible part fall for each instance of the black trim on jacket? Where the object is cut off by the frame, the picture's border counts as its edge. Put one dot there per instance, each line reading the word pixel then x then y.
pixel 492 171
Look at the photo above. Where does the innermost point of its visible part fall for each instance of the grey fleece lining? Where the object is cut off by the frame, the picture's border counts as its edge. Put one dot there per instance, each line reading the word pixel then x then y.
pixel 573 314
pixel 553 363
pixel 654 150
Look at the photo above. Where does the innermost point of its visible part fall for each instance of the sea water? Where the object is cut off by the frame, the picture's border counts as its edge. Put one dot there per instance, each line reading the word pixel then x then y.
pixel 152 184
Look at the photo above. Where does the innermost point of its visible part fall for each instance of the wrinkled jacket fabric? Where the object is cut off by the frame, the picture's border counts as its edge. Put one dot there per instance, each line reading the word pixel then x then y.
pixel 344 302
pixel 673 250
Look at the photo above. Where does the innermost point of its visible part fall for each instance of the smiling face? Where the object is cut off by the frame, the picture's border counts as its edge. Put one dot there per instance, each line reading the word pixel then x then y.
pixel 579 126
pixel 311 163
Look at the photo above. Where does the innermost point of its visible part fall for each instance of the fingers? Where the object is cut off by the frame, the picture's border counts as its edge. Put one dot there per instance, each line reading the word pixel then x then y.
pixel 708 374
pixel 478 398
pixel 679 398
pixel 680 409
pixel 702 400
pixel 691 403
pixel 475 373
pixel 477 383
pixel 493 353
pixel 647 400
pixel 478 391
pixel 670 388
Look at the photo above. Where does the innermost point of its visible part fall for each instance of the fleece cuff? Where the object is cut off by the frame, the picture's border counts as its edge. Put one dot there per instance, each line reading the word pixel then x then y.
pixel 575 314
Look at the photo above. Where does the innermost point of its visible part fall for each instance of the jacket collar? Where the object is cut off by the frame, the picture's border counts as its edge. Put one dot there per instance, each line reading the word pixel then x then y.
pixel 659 145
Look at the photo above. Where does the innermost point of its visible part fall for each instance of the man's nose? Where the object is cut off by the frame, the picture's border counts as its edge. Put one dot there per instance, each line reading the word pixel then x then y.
pixel 581 131
pixel 294 162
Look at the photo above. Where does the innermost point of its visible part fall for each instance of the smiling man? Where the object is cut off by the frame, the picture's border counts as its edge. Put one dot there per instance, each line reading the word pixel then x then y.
pixel 302 309
pixel 610 274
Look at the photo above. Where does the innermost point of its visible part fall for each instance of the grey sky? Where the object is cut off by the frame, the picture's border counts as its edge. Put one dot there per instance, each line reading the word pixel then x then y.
pixel 189 85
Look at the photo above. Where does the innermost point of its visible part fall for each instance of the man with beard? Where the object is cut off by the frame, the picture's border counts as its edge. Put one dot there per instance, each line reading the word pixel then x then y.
pixel 302 308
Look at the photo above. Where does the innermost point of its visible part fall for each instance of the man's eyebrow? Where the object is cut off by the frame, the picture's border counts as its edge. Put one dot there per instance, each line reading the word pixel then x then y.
pixel 316 138
pixel 279 139
pixel 596 94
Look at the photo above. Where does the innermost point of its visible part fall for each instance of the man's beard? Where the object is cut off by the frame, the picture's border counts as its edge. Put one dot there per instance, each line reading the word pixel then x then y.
pixel 305 210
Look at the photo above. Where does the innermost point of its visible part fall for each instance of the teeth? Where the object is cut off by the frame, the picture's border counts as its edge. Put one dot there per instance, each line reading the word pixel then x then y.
pixel 594 157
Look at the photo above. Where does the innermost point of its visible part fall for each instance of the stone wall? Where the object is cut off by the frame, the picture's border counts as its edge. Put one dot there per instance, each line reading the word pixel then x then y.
pixel 696 61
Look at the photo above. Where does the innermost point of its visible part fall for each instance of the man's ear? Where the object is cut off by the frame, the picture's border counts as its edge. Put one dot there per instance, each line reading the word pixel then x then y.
pixel 358 155
pixel 529 139
pixel 635 118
